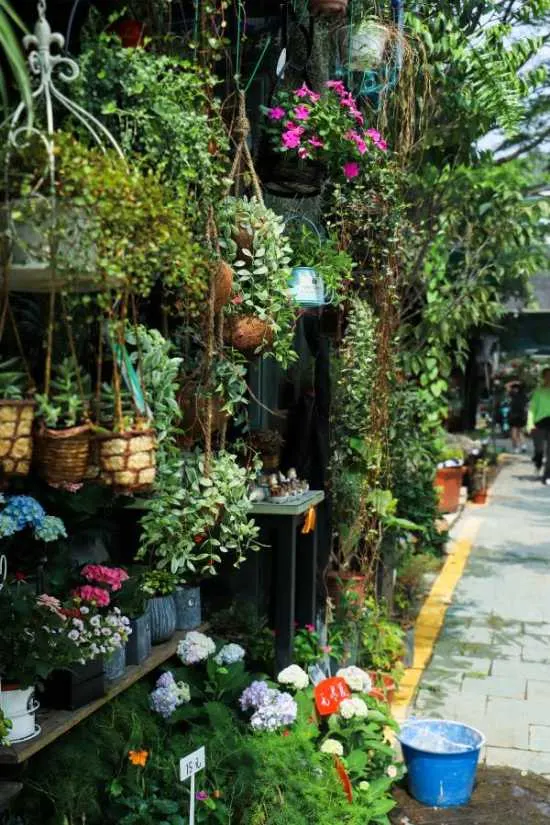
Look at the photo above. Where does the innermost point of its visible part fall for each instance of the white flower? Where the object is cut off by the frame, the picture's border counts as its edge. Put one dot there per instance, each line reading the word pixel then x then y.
pixel 195 648
pixel 364 785
pixel 229 654
pixel 73 635
pixel 84 610
pixel 391 770
pixel 95 621
pixel 332 746
pixel 354 707
pixel 355 678
pixel 294 676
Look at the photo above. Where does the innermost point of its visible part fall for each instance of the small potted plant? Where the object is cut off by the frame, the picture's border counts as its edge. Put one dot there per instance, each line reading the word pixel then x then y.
pixel 62 437
pixel 260 316
pixel 268 444
pixel 134 603
pixel 159 586
pixel 16 418
pixel 480 481
pixel 448 478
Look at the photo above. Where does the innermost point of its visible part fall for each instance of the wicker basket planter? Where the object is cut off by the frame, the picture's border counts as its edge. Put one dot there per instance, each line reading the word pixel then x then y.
pixel 248 333
pixel 16 418
pixel 127 460
pixel 223 284
pixel 62 455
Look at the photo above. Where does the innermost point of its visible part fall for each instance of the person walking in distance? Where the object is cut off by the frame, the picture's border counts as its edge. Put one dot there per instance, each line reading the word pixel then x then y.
pixel 538 425
pixel 518 414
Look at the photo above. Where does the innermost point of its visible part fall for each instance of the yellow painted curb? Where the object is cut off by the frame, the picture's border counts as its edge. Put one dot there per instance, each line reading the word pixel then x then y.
pixel 430 619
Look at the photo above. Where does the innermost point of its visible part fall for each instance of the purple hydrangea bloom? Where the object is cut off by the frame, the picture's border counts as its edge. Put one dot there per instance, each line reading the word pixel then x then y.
pixel 165 680
pixel 279 712
pixel 256 695
pixel 163 701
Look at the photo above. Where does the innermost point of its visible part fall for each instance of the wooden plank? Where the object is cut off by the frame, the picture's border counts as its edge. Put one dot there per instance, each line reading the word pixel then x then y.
pixel 268 508
pixel 8 791
pixel 55 723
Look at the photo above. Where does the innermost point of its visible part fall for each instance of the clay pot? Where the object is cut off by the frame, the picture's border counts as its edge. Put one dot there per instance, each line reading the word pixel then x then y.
pixel 328 7
pixel 131 33
pixel 448 482
pixel 384 686
pixel 480 497
pixel 352 585
pixel 248 333
pixel 223 284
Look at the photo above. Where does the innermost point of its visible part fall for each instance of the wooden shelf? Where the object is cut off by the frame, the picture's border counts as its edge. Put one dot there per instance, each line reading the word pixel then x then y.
pixel 268 508
pixel 55 723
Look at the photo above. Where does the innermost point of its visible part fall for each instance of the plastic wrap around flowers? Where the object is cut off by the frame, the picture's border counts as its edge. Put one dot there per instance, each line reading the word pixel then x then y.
pixel 21 512
pixel 272 709
pixel 168 695
pixel 195 647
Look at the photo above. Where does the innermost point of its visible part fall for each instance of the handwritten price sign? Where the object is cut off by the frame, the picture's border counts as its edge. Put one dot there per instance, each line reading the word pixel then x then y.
pixel 329 693
pixel 189 766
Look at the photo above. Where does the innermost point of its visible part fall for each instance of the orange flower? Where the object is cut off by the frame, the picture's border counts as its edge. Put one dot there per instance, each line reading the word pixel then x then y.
pixel 138 757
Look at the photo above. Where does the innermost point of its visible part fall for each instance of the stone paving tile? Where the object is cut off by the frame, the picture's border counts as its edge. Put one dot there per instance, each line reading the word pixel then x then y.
pixel 539 737
pixel 535 712
pixel 503 686
pixel 538 690
pixel 531 670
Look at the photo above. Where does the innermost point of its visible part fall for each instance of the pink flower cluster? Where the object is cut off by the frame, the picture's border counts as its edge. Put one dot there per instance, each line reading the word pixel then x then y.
pixel 111 576
pixel 346 99
pixel 97 595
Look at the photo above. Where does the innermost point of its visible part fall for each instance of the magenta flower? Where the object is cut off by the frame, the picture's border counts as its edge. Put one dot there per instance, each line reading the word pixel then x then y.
pixel 337 86
pixel 316 142
pixel 276 113
pixel 301 113
pixel 303 91
pixel 201 796
pixel 310 628
pixel 93 594
pixel 358 116
pixel 374 135
pixel 303 153
pixel 351 169
pixel 382 145
pixel 315 97
pixel 358 140
pixel 291 139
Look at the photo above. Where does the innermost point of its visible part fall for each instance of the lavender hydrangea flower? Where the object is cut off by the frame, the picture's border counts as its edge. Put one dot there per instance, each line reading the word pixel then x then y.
pixel 166 680
pixel 196 647
pixel 278 713
pixel 255 695
pixel 229 654
pixel 168 695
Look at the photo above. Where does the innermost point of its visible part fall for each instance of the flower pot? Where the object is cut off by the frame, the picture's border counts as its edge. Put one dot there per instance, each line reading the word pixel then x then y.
pixel 271 462
pixel 20 707
pixel 384 686
pixel 188 607
pixel 193 407
pixel 247 333
pixel 16 442
pixel 448 482
pixel 367 45
pixel 223 284
pixel 115 664
pixel 127 460
pixel 71 689
pixel 351 585
pixel 328 7
pixel 162 613
pixel 138 647
pixel 480 497
pixel 131 33
pixel 62 455
pixel 289 177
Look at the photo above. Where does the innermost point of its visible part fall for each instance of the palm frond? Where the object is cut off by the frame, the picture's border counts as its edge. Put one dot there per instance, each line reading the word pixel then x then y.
pixel 10 22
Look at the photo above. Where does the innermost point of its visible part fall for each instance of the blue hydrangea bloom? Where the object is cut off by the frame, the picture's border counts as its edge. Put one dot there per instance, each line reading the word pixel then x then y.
pixel 51 529
pixel 8 526
pixel 26 511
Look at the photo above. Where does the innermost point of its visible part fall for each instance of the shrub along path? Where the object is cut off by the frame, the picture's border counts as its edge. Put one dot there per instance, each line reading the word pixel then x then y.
pixel 491 663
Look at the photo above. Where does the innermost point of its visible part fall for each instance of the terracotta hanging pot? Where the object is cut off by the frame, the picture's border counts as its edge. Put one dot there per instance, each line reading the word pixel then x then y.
pixel 16 418
pixel 62 455
pixel 248 332
pixel 223 284
pixel 131 33
pixel 328 7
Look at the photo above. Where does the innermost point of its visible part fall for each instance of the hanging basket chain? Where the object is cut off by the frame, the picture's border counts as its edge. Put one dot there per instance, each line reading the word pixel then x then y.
pixel 241 132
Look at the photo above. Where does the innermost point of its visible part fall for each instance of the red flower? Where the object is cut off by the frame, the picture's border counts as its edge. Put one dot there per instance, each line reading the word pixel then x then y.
pixel 198 538
pixel 286 733
pixel 19 576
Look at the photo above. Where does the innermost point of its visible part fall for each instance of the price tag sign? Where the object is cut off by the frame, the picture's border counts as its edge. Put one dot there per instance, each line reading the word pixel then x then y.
pixel 329 693
pixel 189 766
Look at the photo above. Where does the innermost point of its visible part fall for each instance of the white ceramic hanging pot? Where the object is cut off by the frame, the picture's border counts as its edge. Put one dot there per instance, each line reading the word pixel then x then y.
pixel 20 707
pixel 367 45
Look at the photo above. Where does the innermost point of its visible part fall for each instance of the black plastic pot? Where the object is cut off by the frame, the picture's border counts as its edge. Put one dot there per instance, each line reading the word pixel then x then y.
pixel 71 689
pixel 138 647
pixel 290 177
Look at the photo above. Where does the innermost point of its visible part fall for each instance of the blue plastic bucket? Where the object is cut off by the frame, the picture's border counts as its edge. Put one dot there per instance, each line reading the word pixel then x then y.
pixel 441 759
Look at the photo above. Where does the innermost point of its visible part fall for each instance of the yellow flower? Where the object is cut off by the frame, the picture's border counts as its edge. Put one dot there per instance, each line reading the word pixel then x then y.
pixel 138 758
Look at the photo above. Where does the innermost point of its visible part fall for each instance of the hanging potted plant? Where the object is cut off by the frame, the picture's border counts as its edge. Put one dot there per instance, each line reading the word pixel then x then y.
pixel 260 316
pixel 328 7
pixel 312 133
pixel 159 587
pixel 16 419
pixel 368 41
pixel 62 434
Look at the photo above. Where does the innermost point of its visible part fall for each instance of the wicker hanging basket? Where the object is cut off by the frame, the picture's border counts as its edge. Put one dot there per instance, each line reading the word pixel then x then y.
pixel 223 284
pixel 248 333
pixel 127 460
pixel 16 419
pixel 61 456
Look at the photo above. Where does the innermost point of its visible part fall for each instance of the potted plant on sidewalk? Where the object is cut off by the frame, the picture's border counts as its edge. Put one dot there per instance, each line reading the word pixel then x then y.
pixel 448 478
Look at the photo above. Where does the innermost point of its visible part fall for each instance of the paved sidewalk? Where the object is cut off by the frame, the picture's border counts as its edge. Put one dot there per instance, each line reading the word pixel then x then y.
pixel 491 663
